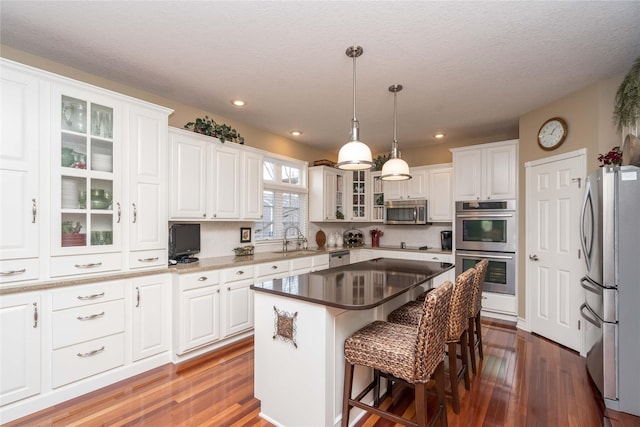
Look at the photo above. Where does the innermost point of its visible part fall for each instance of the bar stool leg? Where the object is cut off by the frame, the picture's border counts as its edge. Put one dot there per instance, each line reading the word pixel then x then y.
pixel 472 344
pixel 453 376
pixel 464 349
pixel 442 407
pixel 479 335
pixel 346 393
pixel 420 390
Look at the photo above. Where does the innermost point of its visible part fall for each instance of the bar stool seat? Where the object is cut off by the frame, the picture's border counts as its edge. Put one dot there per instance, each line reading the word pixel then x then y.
pixel 457 325
pixel 414 355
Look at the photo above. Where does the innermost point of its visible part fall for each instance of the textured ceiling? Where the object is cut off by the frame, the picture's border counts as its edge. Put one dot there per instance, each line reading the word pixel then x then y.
pixel 469 69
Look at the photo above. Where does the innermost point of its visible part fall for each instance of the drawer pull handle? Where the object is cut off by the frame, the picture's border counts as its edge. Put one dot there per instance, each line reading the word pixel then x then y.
pixel 155 258
pixel 94 296
pixel 90 265
pixel 138 297
pixel 436 258
pixel 202 278
pixel 135 213
pixel 119 213
pixel 274 267
pixel 239 272
pixel 34 211
pixel 35 314
pixel 91 353
pixel 91 317
pixel 12 272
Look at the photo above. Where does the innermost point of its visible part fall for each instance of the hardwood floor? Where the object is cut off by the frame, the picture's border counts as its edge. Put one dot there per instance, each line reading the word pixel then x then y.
pixel 524 380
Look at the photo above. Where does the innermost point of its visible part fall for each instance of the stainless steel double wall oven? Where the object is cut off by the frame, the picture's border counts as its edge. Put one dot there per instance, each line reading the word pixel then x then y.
pixel 488 230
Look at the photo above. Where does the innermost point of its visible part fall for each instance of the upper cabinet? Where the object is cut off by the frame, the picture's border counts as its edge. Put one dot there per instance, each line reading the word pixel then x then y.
pixel 326 194
pixel 212 180
pixel 440 195
pixel 90 172
pixel 359 195
pixel 485 172
pixel 19 175
pixel 377 204
pixel 415 188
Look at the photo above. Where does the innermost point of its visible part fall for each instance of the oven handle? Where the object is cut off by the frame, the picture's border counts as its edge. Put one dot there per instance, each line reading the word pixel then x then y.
pixel 588 318
pixel 484 256
pixel 487 215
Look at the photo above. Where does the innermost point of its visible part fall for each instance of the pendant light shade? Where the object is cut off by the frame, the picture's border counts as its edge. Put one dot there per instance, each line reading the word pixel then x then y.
pixel 395 169
pixel 354 155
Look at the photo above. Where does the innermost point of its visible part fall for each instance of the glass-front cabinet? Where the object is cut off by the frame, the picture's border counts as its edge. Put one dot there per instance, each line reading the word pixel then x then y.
pixel 359 193
pixel 377 190
pixel 86 197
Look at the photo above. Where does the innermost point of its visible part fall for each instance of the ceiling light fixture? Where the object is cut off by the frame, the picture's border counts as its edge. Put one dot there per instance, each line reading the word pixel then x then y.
pixel 295 133
pixel 395 169
pixel 439 135
pixel 238 102
pixel 354 155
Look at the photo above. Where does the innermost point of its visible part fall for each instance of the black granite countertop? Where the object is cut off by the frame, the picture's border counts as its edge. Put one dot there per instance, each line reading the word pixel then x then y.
pixel 359 286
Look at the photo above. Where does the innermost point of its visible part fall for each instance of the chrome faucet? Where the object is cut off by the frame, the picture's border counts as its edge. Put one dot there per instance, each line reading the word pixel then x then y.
pixel 300 239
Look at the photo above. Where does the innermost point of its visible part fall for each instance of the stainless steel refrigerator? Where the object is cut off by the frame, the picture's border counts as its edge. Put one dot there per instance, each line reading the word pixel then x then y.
pixel 610 238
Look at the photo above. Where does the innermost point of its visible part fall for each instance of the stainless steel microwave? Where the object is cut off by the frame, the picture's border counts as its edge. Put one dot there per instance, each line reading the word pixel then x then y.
pixel 405 212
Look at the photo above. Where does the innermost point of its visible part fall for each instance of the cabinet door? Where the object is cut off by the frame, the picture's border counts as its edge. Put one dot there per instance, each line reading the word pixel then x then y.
pixel 501 178
pixel 147 217
pixel 377 197
pixel 329 195
pixel 252 186
pixel 394 190
pixel 199 317
pixel 440 203
pixel 86 197
pixel 358 195
pixel 418 186
pixel 226 183
pixel 467 169
pixel 187 177
pixel 19 347
pixel 238 307
pixel 19 171
pixel 151 322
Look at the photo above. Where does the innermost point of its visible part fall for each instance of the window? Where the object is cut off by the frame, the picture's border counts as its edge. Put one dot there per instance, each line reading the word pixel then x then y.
pixel 284 199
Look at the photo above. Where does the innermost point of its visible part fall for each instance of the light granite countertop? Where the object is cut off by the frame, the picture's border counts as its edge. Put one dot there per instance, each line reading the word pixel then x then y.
pixel 204 264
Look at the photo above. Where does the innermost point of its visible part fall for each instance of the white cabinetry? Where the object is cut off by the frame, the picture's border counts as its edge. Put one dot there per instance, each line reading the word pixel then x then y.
pixel 238 303
pixel 415 188
pixel 151 301
pixel 487 171
pixel 88 324
pixel 326 194
pixel 198 310
pixel 212 180
pixel 358 195
pixel 147 218
pixel 377 202
pixel 19 174
pixel 440 202
pixel 20 337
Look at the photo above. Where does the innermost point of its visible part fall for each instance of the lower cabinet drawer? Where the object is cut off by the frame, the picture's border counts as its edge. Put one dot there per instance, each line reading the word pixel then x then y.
pixel 15 270
pixel 439 258
pixel 83 360
pixel 74 265
pixel 76 296
pixel 146 259
pixel 499 303
pixel 79 324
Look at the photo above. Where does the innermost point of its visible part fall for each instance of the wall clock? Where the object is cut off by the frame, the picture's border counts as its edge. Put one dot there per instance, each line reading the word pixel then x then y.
pixel 552 133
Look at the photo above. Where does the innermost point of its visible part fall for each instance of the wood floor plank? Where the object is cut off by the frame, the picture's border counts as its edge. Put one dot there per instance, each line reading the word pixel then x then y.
pixel 524 380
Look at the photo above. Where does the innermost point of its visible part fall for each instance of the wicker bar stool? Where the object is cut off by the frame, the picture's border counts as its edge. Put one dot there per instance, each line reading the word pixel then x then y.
pixel 474 330
pixel 456 329
pixel 413 355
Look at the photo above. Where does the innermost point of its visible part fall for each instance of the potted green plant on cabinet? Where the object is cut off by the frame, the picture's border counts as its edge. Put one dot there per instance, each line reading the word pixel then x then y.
pixel 626 114
pixel 208 126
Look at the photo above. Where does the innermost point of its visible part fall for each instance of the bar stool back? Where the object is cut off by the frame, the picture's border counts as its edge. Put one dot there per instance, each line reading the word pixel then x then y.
pixel 414 355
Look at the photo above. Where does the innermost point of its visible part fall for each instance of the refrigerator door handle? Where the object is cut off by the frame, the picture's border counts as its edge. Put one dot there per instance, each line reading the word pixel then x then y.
pixel 593 318
pixel 588 202
pixel 585 281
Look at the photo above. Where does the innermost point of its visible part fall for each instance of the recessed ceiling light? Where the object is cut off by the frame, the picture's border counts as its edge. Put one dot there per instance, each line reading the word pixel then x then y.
pixel 295 133
pixel 238 102
pixel 439 135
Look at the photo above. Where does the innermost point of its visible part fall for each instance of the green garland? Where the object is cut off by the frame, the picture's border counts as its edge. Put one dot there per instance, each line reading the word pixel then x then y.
pixel 627 107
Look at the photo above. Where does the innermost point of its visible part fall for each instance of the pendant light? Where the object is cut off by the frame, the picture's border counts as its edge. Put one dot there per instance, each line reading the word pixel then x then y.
pixel 354 155
pixel 395 169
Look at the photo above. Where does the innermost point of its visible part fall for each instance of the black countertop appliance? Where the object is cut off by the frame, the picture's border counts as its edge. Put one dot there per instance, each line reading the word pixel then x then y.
pixel 445 240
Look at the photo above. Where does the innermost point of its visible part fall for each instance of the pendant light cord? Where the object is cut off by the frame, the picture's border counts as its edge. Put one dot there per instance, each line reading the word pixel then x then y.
pixel 354 88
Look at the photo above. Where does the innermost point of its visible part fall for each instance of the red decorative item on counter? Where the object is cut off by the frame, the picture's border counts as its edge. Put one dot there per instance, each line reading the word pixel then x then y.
pixel 375 237
pixel 612 158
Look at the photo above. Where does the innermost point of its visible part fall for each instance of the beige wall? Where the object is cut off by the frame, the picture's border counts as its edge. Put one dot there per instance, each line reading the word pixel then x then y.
pixel 588 113
pixel 182 113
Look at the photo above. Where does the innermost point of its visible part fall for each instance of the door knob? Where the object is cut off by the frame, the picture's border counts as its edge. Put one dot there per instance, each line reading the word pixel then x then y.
pixel 533 257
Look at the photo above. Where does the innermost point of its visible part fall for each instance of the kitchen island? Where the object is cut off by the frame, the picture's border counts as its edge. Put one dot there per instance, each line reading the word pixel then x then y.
pixel 301 323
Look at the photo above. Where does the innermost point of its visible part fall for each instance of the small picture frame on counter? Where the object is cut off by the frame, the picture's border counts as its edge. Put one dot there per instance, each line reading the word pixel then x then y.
pixel 245 234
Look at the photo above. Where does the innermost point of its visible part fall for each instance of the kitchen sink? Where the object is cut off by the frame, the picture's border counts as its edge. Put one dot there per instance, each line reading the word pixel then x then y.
pixel 292 252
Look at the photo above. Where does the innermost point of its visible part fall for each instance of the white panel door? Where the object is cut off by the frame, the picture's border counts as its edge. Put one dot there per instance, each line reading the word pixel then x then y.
pixel 151 318
pixel 19 168
pixel 19 346
pixel 148 177
pixel 554 268
pixel 199 317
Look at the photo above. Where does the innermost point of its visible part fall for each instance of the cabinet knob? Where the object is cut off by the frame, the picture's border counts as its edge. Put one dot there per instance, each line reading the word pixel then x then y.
pixel 239 272
pixel 202 278
pixel 274 267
